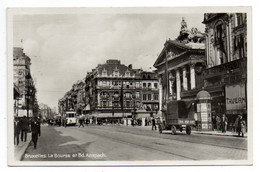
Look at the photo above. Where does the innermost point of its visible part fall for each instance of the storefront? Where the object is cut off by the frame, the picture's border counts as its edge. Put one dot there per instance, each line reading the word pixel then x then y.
pixel 236 102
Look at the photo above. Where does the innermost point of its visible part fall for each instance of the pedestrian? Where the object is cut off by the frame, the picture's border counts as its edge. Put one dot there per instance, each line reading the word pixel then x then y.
pixel 214 122
pixel 196 120
pixel 24 128
pixel 218 122
pixel 81 123
pixel 224 122
pixel 36 131
pixel 241 126
pixel 153 124
pixel 65 122
pixel 17 129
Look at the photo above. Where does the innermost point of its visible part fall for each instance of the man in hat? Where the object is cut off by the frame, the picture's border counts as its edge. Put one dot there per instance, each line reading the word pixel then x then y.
pixel 36 131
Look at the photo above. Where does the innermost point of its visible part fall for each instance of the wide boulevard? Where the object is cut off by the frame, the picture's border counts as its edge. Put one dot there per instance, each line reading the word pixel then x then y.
pixel 127 143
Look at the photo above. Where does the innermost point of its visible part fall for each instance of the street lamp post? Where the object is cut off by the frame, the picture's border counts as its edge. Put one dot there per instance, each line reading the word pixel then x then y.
pixel 28 77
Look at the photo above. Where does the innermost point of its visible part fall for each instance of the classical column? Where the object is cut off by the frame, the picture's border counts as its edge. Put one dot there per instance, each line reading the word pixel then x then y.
pixel 178 80
pixel 192 76
pixel 184 83
pixel 160 93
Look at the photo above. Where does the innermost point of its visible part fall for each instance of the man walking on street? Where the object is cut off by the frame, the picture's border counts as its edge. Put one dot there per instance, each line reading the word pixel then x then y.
pixel 36 131
pixel 81 122
pixel 24 128
pixel 16 130
pixel 153 124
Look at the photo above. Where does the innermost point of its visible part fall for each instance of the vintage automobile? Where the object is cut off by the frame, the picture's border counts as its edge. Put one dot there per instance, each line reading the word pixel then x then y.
pixel 178 115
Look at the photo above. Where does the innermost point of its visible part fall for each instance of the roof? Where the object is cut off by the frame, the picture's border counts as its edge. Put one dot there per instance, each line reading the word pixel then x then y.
pixel 113 65
pixel 203 95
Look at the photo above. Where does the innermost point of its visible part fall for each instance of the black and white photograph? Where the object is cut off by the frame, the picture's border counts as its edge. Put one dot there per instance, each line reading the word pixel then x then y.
pixel 129 86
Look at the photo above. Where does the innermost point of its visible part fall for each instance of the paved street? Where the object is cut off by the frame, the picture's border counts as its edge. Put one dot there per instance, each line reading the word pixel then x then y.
pixel 131 143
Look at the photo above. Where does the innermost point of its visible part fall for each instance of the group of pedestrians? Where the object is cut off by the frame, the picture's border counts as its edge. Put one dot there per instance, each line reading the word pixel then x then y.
pixel 221 124
pixel 22 126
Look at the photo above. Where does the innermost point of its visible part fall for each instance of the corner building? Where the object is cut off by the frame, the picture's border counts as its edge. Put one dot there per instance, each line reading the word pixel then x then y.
pixel 119 91
pixel 226 75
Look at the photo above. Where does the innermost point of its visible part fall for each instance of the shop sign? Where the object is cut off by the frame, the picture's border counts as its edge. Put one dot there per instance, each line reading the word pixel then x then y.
pixel 235 97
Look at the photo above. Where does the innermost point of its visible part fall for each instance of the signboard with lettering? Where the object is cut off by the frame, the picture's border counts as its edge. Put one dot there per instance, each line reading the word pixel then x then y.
pixel 204 117
pixel 203 107
pixel 235 97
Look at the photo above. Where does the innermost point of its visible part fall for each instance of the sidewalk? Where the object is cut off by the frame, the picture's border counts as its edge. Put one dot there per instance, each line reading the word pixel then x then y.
pixel 20 149
pixel 216 133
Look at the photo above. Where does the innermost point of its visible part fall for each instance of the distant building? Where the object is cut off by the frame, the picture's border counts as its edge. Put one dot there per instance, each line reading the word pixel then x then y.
pixel 114 90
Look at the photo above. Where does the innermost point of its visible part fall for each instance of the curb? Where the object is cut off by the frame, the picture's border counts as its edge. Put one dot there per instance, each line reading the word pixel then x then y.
pixel 234 135
pixel 20 154
pixel 26 147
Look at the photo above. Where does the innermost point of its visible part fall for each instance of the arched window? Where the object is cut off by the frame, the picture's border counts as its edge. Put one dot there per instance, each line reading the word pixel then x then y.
pixel 221 41
pixel 104 94
pixel 127 95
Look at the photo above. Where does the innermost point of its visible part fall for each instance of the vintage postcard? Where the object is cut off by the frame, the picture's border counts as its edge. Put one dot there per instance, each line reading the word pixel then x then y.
pixel 129 86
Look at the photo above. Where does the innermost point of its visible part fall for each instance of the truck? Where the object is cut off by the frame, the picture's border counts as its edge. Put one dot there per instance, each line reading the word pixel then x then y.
pixel 178 115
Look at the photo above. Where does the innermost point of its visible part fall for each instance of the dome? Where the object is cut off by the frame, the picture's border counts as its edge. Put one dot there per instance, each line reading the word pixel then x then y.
pixel 203 95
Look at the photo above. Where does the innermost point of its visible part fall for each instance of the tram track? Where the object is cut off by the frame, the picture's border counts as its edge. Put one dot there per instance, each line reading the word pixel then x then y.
pixel 140 145
pixel 186 141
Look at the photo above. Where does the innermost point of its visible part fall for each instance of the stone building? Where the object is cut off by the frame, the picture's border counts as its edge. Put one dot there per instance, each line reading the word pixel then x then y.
pixel 180 65
pixel 226 75
pixel 24 83
pixel 113 90
pixel 120 91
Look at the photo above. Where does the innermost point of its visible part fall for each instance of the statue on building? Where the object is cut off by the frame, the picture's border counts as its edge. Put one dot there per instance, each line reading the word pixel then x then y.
pixel 183 25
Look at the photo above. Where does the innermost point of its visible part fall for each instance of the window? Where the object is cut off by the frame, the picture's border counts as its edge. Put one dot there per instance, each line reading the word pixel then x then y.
pixel 155 97
pixel 128 95
pixel 104 94
pixel 137 94
pixel 127 73
pixel 149 97
pixel 104 72
pixel 104 83
pixel 104 103
pixel 155 85
pixel 128 104
pixel 149 85
pixel 137 84
pixel 239 19
pixel 144 85
pixel 20 72
pixel 144 96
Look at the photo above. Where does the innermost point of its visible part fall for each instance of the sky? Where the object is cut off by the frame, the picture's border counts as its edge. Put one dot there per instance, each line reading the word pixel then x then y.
pixel 64 47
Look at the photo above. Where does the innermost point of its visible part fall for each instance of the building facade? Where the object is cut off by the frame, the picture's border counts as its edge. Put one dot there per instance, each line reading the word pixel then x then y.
pixel 26 102
pixel 114 90
pixel 180 65
pixel 226 75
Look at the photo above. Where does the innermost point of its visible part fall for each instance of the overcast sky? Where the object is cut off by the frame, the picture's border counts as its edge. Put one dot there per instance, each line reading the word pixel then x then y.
pixel 63 48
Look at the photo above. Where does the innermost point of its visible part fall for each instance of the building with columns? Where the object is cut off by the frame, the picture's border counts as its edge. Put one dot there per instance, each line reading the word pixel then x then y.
pixel 180 65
